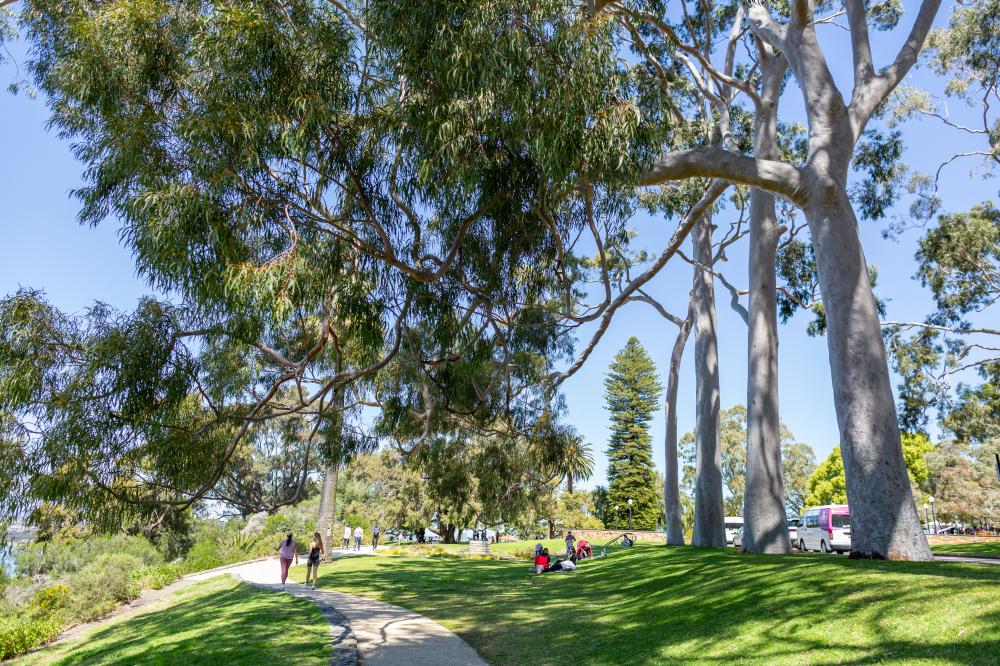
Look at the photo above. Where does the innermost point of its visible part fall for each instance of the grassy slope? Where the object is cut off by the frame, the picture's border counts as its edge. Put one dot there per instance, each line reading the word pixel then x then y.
pixel 656 604
pixel 219 621
pixel 972 549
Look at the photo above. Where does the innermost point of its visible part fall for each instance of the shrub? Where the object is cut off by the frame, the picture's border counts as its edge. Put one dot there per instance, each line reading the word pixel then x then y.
pixel 156 576
pixel 59 559
pixel 99 587
pixel 20 633
pixel 51 599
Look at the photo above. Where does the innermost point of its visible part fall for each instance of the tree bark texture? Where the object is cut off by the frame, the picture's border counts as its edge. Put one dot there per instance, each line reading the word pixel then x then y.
pixel 884 519
pixel 709 514
pixel 328 507
pixel 764 519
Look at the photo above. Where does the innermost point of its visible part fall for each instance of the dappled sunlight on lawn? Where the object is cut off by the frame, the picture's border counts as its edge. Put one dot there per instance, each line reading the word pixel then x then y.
pixel 686 605
pixel 219 621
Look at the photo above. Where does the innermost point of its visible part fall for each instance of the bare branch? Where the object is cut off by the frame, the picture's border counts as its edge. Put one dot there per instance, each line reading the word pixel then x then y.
pixel 712 162
pixel 714 191
pixel 945 329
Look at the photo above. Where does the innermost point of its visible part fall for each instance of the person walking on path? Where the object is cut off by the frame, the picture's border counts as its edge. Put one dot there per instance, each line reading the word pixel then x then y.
pixel 376 533
pixel 312 564
pixel 347 537
pixel 289 549
pixel 358 536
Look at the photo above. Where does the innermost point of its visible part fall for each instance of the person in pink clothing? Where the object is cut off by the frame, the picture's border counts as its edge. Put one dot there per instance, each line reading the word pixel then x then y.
pixel 289 550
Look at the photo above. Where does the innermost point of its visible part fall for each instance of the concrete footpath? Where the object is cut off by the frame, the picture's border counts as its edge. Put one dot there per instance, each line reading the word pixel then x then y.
pixel 386 635
pixel 965 558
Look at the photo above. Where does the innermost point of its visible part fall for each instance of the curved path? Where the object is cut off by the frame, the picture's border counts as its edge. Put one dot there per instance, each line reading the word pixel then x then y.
pixel 364 631
pixel 386 634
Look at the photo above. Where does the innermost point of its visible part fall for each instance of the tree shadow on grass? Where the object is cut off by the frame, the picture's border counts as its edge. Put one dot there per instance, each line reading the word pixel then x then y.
pixel 686 605
pixel 238 625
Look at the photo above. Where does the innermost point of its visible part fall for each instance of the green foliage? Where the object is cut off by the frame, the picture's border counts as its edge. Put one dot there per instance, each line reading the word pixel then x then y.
pixel 104 584
pixel 827 485
pixel 916 446
pixel 798 461
pixel 632 391
pixel 973 417
pixel 797 464
pixel 576 511
pixel 20 634
pixel 878 155
pixel 959 260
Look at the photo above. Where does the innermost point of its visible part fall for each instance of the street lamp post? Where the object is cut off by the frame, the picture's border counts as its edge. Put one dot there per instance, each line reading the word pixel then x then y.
pixel 630 514
pixel 618 525
pixel 933 514
pixel 927 516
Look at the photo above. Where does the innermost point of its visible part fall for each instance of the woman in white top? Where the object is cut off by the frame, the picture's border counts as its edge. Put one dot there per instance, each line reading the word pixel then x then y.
pixel 347 536
pixel 358 535
pixel 288 550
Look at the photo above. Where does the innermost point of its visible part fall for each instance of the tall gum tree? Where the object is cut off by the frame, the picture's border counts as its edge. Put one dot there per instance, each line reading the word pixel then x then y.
pixel 884 517
pixel 764 517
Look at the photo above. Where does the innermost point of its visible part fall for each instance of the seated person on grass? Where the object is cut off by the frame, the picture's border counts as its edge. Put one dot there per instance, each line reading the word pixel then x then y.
pixel 542 560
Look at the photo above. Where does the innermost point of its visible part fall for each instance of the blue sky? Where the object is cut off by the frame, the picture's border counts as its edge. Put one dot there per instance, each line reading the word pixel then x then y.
pixel 45 248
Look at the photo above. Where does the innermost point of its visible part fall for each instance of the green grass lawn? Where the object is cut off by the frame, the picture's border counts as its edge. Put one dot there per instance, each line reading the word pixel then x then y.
pixel 973 549
pixel 555 546
pixel 218 621
pixel 683 605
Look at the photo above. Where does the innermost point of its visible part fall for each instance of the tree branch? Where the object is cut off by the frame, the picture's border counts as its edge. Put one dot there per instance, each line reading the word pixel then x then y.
pixel 766 28
pixel 714 191
pixel 860 44
pixel 944 329
pixel 771 175
pixel 867 98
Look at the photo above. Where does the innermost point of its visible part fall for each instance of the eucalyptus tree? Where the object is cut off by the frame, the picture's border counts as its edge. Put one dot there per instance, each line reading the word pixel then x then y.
pixel 260 154
pixel 886 520
pixel 293 176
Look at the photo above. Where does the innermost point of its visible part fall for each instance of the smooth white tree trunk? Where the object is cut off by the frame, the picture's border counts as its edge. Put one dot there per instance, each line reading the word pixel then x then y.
pixel 884 519
pixel 671 485
pixel 764 517
pixel 709 513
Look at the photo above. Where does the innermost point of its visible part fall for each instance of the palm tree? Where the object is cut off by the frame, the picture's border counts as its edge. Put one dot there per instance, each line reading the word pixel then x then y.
pixel 577 462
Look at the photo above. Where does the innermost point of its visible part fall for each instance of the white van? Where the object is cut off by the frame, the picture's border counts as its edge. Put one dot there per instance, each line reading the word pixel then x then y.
pixel 733 523
pixel 826 529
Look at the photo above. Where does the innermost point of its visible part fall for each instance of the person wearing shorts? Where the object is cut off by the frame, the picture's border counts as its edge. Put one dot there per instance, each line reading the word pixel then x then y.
pixel 312 564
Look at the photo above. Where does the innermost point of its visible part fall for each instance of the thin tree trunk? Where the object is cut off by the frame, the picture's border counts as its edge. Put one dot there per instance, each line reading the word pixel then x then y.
pixel 328 496
pixel 709 514
pixel 884 519
pixel 569 483
pixel 764 518
pixel 671 484
pixel 328 507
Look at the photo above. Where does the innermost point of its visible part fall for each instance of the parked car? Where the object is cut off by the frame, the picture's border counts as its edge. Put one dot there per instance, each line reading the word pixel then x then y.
pixel 793 531
pixel 738 538
pixel 733 523
pixel 826 529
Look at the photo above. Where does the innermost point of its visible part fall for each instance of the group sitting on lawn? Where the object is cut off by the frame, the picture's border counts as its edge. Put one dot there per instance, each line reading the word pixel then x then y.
pixel 544 563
